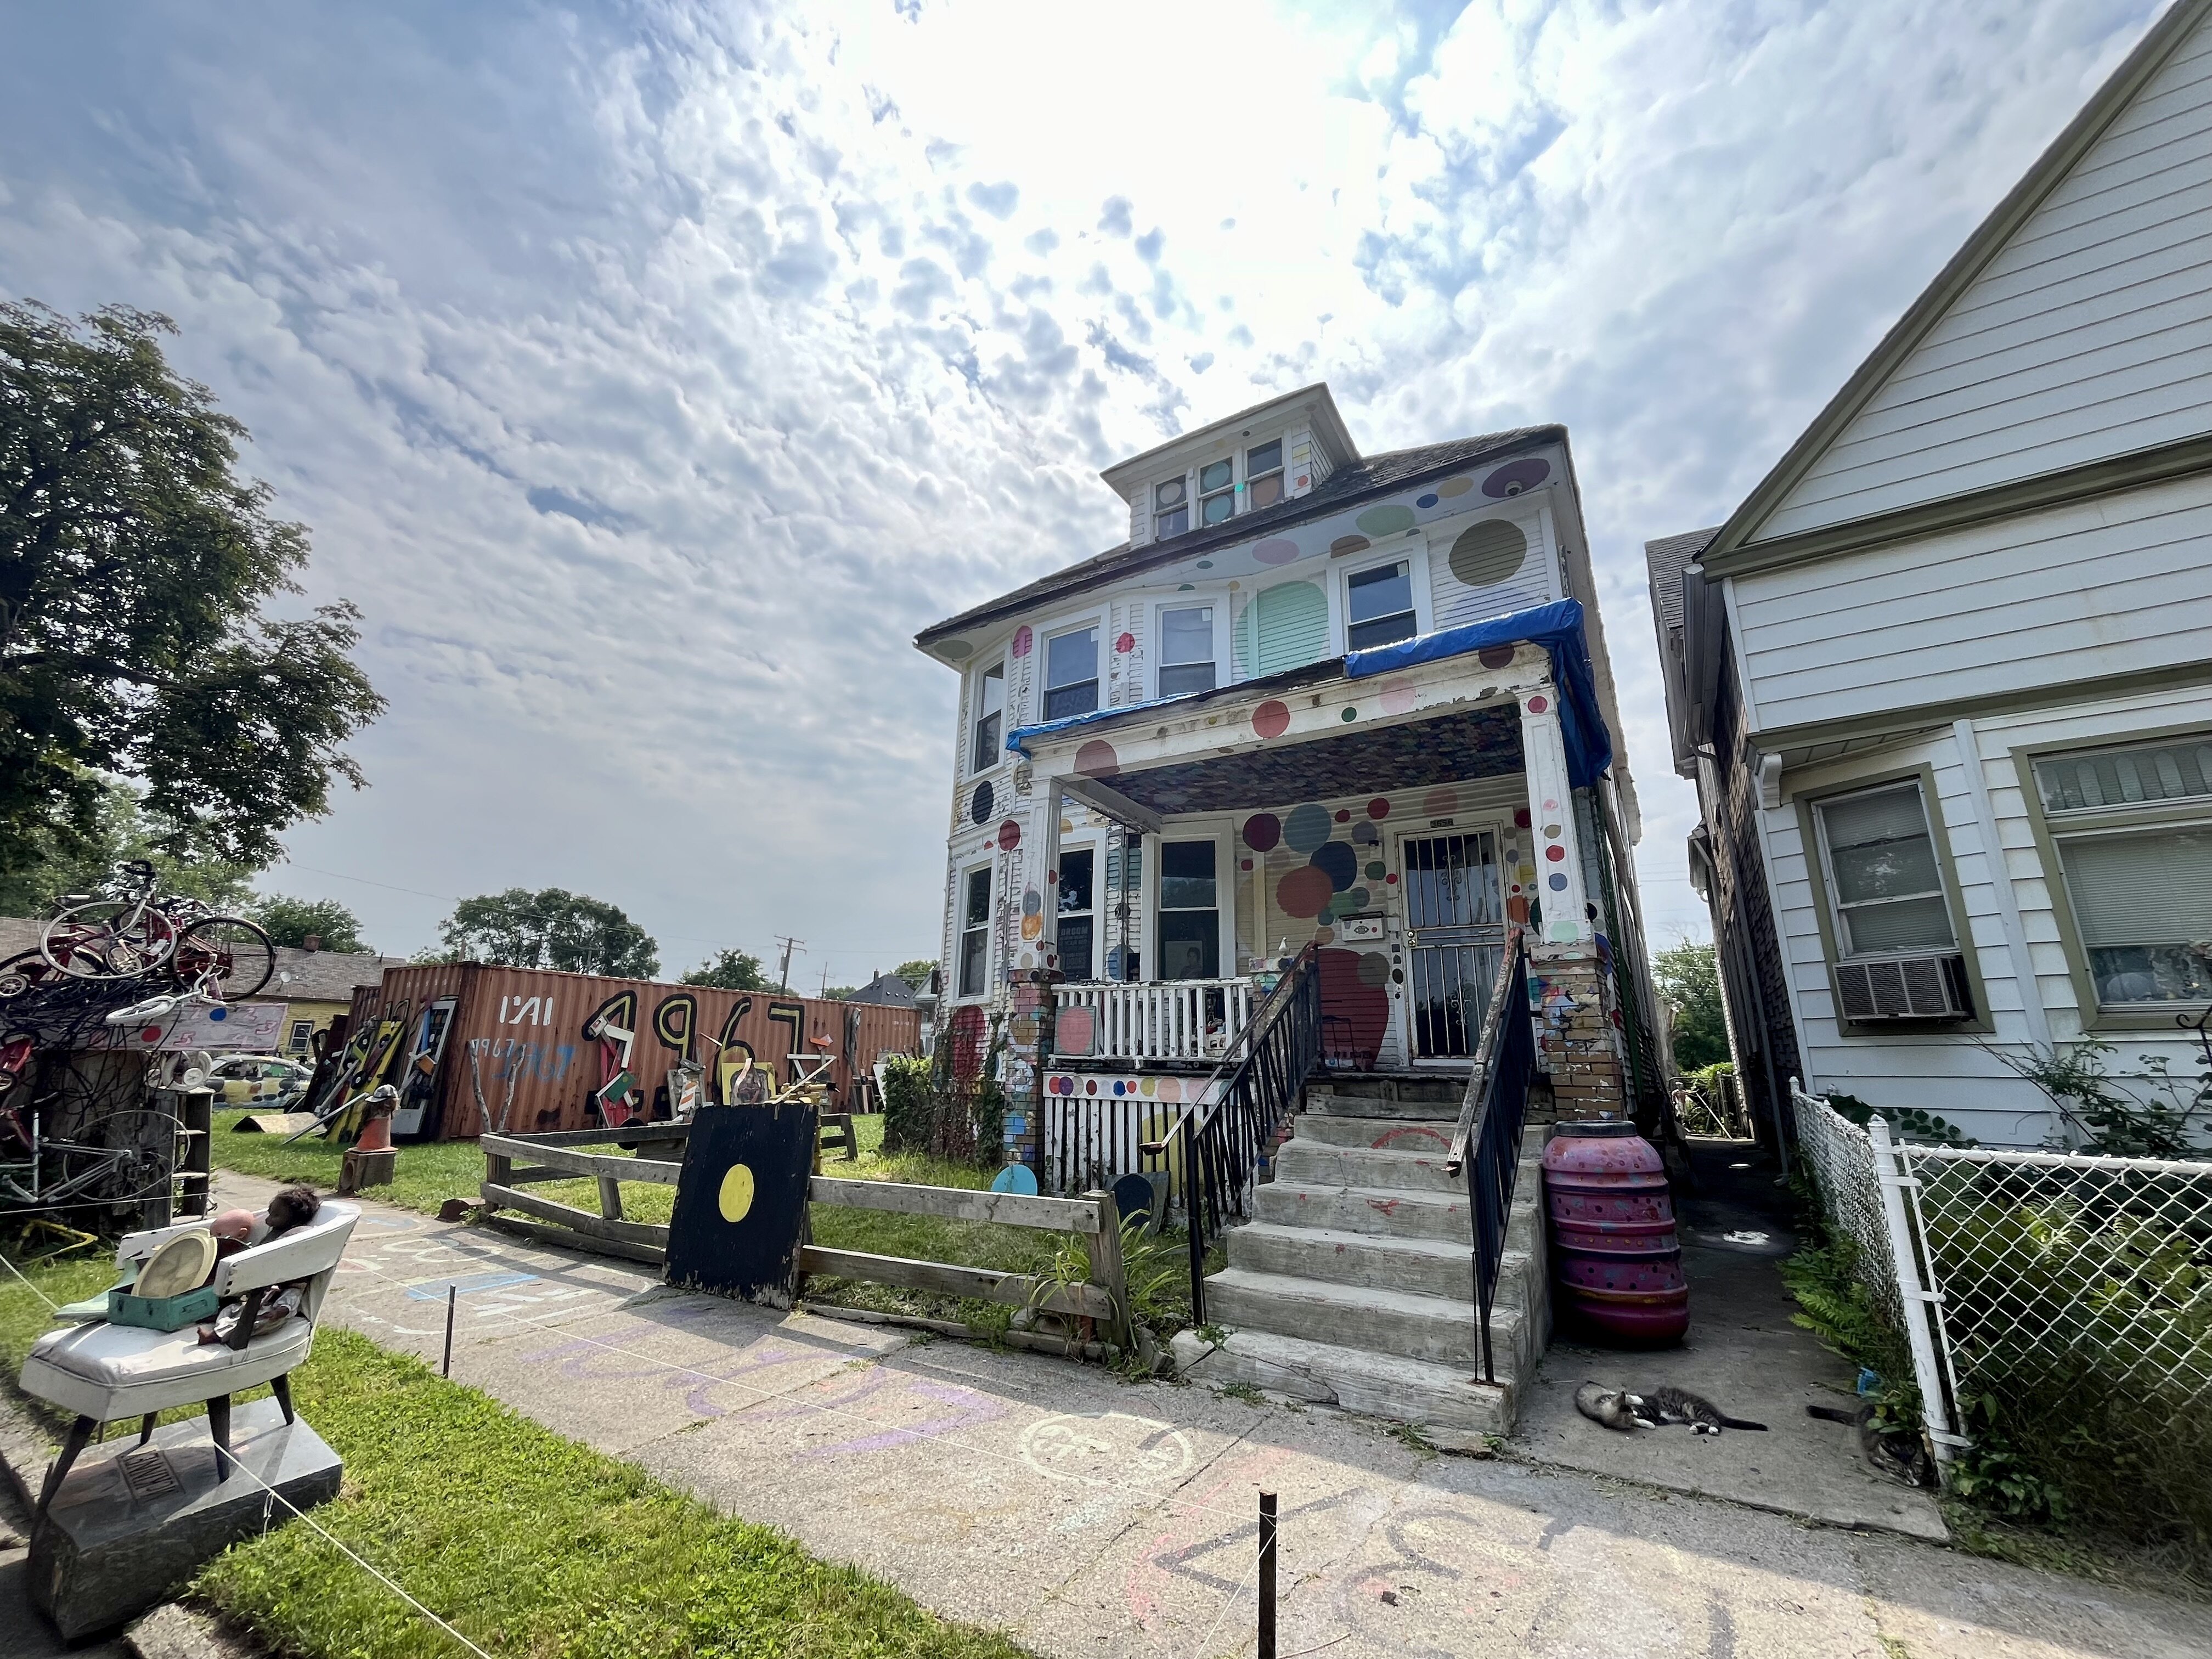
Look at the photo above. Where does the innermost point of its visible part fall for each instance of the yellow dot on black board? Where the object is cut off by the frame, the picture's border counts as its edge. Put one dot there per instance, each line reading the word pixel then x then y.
pixel 737 1194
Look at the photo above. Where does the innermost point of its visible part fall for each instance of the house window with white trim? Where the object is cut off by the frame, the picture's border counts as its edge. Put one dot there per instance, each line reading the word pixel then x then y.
pixel 1378 606
pixel 1078 909
pixel 1263 475
pixel 1187 650
pixel 1217 491
pixel 1884 883
pixel 990 716
pixel 2133 830
pixel 1189 910
pixel 1170 508
pixel 975 931
pixel 1071 673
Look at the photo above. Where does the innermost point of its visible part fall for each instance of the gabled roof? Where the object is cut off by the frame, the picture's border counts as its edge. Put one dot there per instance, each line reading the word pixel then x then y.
pixel 885 990
pixel 1987 242
pixel 1313 403
pixel 1368 476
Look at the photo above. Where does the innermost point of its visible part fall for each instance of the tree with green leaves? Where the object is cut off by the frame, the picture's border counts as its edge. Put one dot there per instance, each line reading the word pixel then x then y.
pixel 121 828
pixel 550 928
pixel 294 921
pixel 135 564
pixel 730 970
pixel 1688 979
pixel 916 973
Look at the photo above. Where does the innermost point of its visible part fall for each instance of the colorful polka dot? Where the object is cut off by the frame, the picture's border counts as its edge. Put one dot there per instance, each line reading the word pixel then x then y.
pixel 1307 828
pixel 955 650
pixel 1276 549
pixel 1555 854
pixel 1205 564
pixel 1243 863
pixel 1344 815
pixel 1495 656
pixel 1551 831
pixel 1023 639
pixel 1538 704
pixel 1374 870
pixel 1304 892
pixel 979 808
pixel 1378 808
pixel 1097 759
pixel 1515 476
pixel 1032 902
pixel 1559 883
pixel 1337 862
pixel 1452 489
pixel 1272 719
pixel 1390 880
pixel 1399 696
pixel 1349 715
pixel 1263 831
pixel 1441 802
pixel 1386 521
pixel 1489 553
pixel 1126 644
pixel 1373 968
pixel 1520 817
pixel 1010 835
pixel 1345 546
pixel 1366 835
pixel 1427 501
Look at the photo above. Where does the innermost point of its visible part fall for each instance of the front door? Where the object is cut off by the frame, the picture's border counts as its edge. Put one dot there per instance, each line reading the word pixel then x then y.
pixel 1454 936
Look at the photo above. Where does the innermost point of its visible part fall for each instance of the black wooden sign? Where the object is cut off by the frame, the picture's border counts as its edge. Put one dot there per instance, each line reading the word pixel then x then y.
pixel 741 1201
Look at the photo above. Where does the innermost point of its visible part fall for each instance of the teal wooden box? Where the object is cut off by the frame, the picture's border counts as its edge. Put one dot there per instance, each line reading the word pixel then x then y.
pixel 162 1313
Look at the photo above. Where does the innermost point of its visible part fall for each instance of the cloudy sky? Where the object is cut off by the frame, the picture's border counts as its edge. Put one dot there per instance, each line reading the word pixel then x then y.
pixel 651 373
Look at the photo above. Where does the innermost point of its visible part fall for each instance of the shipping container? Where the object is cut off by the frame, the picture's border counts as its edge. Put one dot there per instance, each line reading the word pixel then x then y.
pixel 473 1046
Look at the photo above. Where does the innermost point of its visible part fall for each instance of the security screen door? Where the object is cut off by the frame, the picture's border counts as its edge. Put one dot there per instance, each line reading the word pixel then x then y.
pixel 1455 937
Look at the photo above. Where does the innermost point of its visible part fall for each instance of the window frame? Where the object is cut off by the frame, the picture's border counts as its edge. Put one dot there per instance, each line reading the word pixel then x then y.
pixel 1414 557
pixel 1189 502
pixel 1201 496
pixel 1094 844
pixel 977 766
pixel 1226 881
pixel 1813 848
pixel 2155 815
pixel 962 928
pixel 1225 667
pixel 1059 629
pixel 1280 470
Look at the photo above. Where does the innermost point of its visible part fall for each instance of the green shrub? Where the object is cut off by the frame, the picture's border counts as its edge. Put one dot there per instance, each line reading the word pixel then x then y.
pixel 909 1103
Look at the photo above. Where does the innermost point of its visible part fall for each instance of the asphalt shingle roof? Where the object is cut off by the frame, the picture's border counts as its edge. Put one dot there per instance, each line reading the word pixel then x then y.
pixel 1666 559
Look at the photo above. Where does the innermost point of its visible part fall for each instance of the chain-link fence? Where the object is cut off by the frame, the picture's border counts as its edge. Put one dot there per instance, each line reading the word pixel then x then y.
pixel 1840 1156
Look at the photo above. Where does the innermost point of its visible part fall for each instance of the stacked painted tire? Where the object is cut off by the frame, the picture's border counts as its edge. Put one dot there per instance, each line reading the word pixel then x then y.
pixel 1616 1263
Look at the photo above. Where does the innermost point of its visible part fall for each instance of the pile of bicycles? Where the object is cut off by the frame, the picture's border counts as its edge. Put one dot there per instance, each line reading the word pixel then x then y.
pixel 127 933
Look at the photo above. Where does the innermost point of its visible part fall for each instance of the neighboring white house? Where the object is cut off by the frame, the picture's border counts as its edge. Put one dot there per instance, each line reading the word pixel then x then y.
pixel 1273 716
pixel 1945 678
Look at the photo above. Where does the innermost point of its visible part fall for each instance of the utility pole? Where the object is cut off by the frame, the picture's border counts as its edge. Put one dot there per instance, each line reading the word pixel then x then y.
pixel 783 974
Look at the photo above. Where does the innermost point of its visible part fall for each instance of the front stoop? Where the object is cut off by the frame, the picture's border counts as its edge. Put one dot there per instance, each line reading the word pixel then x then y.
pixel 1354 1285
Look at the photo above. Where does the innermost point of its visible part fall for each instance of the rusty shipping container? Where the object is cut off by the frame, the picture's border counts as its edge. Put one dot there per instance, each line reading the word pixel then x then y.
pixel 475 1046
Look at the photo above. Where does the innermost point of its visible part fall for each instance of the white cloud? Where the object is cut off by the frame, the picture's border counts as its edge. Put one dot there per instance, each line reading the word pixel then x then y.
pixel 651 374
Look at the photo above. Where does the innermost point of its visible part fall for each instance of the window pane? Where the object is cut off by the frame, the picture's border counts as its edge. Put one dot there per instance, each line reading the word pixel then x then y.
pixel 2158 973
pixel 971 961
pixel 1885 870
pixel 1187 875
pixel 1075 885
pixel 1169 494
pixel 2145 889
pixel 1265 492
pixel 1217 476
pixel 1190 944
pixel 1174 523
pixel 1185 677
pixel 1917 924
pixel 1074 658
pixel 1365 636
pixel 1886 815
pixel 1069 700
pixel 1383 592
pixel 979 897
pixel 1075 947
pixel 2125 777
pixel 990 703
pixel 1187 635
pixel 1217 509
pixel 1263 457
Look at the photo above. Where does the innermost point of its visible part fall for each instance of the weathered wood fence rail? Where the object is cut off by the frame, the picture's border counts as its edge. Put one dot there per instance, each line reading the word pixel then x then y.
pixel 514 1162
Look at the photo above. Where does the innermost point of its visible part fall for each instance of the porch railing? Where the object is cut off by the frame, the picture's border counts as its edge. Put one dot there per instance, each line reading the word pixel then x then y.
pixel 1170 1019
pixel 1220 1137
pixel 1486 1146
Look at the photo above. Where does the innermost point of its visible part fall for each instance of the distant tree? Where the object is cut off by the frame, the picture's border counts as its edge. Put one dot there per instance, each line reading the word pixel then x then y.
pixel 551 929
pixel 730 970
pixel 294 921
pixel 838 992
pixel 134 565
pixel 1688 979
pixel 916 974
pixel 121 828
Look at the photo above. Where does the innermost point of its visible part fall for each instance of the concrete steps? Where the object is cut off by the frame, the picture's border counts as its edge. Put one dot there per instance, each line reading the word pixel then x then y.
pixel 1353 1285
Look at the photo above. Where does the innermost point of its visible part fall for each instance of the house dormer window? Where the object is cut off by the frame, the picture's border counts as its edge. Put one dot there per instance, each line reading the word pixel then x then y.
pixel 1263 475
pixel 1071 673
pixel 1217 491
pixel 1171 507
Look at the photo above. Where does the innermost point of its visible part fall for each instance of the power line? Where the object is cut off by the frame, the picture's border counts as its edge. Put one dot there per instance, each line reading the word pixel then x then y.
pixel 783 974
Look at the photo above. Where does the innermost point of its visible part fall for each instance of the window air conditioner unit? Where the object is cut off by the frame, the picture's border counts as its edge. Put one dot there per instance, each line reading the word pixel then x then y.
pixel 1932 987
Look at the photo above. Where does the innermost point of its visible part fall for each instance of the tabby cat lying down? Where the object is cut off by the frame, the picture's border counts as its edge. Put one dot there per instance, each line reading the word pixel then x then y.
pixel 1617 1408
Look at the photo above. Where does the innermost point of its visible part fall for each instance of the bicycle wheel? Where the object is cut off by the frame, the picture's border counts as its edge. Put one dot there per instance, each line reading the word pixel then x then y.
pixel 104 938
pixel 227 957
pixel 20 973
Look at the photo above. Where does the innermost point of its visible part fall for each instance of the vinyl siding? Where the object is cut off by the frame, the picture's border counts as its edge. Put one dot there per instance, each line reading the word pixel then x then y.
pixel 2089 336
pixel 2112 586
pixel 1453 602
pixel 1284 627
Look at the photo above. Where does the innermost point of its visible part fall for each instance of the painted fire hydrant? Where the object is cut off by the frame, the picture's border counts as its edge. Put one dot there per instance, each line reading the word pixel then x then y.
pixel 1616 1262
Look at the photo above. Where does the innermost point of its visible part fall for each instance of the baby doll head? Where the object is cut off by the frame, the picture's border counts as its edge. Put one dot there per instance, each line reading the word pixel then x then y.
pixel 293 1206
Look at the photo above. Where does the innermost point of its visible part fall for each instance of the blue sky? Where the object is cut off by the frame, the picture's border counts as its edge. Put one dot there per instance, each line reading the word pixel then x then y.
pixel 650 374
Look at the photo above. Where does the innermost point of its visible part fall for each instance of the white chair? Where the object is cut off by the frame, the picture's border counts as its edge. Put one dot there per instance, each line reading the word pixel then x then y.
pixel 104 1372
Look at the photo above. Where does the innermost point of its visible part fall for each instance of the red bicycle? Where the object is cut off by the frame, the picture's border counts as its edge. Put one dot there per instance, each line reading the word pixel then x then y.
pixel 130 933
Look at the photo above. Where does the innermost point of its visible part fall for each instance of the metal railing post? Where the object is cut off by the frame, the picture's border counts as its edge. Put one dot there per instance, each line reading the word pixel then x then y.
pixel 1917 1299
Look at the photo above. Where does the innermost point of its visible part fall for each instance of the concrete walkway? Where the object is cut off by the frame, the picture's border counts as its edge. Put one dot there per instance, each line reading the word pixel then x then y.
pixel 1091 1518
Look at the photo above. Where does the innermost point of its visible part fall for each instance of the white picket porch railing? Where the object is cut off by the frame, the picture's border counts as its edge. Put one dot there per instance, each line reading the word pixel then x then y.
pixel 1173 1019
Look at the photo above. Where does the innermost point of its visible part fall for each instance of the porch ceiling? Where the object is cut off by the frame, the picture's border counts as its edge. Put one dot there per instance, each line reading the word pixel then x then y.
pixel 1457 747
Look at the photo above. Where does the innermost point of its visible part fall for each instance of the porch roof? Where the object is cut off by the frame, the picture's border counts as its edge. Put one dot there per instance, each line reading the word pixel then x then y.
pixel 1455 732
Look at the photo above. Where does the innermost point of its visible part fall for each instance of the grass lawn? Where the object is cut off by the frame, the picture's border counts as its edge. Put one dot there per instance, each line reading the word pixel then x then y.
pixel 529 1544
pixel 430 1174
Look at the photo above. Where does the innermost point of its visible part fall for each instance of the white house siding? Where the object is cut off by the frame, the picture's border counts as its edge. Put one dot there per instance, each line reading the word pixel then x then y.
pixel 2089 336
pixel 1534 581
pixel 1941 1072
pixel 2111 586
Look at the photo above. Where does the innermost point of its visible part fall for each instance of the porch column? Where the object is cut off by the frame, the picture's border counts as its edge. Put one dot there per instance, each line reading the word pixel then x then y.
pixel 1558 857
pixel 1051 802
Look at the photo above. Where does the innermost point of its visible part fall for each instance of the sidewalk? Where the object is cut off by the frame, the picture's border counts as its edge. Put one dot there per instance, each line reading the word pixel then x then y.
pixel 1087 1517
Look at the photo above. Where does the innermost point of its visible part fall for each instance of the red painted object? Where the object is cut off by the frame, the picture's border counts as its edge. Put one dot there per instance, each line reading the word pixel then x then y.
pixel 1616 1263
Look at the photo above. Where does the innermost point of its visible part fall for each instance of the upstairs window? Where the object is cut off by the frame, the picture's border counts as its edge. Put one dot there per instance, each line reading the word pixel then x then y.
pixel 2133 831
pixel 1070 674
pixel 1263 475
pixel 1217 491
pixel 990 716
pixel 975 933
pixel 1885 883
pixel 1379 607
pixel 1170 508
pixel 1187 650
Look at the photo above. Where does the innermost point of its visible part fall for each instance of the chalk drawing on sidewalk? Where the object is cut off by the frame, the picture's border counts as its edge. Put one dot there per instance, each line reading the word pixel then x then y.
pixel 1107 1446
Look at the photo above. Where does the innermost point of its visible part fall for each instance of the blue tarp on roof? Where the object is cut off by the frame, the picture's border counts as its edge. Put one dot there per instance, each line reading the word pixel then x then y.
pixel 1557 627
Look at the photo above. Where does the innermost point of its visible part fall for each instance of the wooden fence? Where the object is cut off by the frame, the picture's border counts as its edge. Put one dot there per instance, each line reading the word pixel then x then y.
pixel 514 1162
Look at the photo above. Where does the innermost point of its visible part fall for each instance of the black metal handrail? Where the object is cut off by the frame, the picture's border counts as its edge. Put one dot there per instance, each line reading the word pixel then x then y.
pixel 1490 1123
pixel 1240 1106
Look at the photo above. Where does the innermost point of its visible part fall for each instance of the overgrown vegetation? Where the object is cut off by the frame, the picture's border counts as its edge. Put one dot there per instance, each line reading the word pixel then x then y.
pixel 1834 1303
pixel 1906 1122
pixel 2148 1113
pixel 1689 980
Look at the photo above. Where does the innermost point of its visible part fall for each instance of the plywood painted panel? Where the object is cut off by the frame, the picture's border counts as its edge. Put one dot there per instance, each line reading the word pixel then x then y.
pixel 2089 336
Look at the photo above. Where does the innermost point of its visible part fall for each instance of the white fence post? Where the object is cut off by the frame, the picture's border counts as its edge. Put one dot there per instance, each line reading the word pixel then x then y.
pixel 1918 1300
